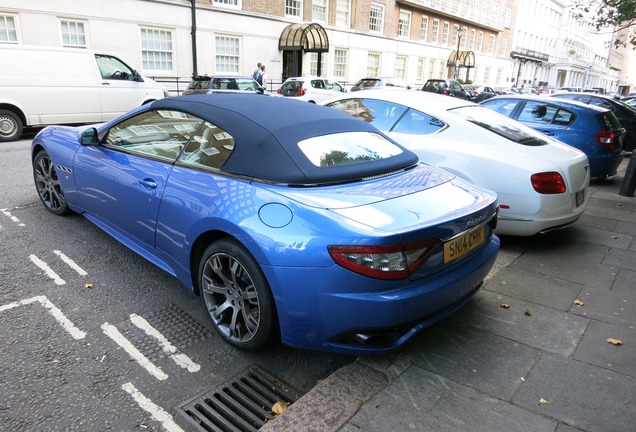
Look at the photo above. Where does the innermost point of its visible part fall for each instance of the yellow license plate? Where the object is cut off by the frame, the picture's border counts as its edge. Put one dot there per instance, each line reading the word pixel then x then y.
pixel 463 244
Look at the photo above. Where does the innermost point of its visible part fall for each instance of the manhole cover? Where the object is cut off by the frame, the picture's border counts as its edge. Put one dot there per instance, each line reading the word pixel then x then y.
pixel 242 404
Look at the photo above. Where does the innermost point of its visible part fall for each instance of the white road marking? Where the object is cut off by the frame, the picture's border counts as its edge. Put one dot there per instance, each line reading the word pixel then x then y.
pixel 153 409
pixel 112 332
pixel 70 263
pixel 181 359
pixel 49 272
pixel 53 310
pixel 13 218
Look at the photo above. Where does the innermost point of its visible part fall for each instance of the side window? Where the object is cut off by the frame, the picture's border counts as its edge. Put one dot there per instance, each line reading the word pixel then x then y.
pixel 418 123
pixel 537 112
pixel 112 68
pixel 563 117
pixel 602 103
pixel 332 85
pixel 319 84
pixel 383 115
pixel 160 134
pixel 210 147
pixel 502 106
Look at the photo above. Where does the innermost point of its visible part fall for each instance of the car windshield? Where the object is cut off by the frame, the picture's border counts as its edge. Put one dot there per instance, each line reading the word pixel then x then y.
pixel 199 84
pixel 499 124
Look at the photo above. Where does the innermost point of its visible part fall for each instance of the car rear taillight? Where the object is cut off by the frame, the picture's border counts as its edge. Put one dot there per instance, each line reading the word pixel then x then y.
pixel 548 183
pixel 384 262
pixel 278 91
pixel 446 92
pixel 605 139
pixel 301 91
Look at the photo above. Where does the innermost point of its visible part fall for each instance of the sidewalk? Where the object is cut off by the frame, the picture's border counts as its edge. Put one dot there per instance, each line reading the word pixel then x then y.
pixel 541 364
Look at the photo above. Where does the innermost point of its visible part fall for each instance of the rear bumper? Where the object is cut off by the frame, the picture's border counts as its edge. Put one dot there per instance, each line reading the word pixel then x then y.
pixel 336 310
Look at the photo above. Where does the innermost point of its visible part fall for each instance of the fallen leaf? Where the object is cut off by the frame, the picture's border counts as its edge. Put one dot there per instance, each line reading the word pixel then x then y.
pixel 578 302
pixel 614 237
pixel 528 312
pixel 615 341
pixel 89 285
pixel 504 306
pixel 279 408
pixel 543 401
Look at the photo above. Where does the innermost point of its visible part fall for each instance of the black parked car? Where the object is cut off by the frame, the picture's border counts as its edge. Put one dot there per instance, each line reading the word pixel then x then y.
pixel 625 113
pixel 479 93
pixel 223 84
pixel 449 87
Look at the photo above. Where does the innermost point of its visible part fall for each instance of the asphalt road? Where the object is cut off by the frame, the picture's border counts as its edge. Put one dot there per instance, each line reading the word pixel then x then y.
pixel 75 309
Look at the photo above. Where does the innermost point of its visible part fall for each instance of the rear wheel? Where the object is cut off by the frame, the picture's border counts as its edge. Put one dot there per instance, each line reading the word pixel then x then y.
pixel 48 185
pixel 10 126
pixel 237 296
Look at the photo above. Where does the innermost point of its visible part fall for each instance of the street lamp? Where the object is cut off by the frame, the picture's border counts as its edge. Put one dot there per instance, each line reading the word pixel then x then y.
pixel 460 33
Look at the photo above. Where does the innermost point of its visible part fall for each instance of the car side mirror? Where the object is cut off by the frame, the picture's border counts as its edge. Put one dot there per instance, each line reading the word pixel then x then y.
pixel 137 77
pixel 261 89
pixel 89 137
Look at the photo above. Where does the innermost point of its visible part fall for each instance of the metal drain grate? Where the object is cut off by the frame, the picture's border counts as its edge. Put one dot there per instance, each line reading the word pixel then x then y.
pixel 242 404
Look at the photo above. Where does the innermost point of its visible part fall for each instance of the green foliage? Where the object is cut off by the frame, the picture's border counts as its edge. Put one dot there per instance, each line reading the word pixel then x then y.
pixel 616 15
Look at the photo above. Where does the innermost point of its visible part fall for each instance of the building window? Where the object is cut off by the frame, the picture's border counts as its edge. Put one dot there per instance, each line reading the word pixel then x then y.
pixel 156 50
pixel 420 69
pixel 473 36
pixel 319 11
pixel 227 54
pixel 445 32
pixel 340 61
pixel 376 22
pixel 343 13
pixel 293 8
pixel 404 24
pixel 435 35
pixel 313 66
pixel 373 65
pixel 499 75
pixel 226 2
pixel 491 44
pixel 8 32
pixel 487 75
pixel 480 41
pixel 73 35
pixel 424 29
pixel 400 66
pixel 503 46
pixel 431 69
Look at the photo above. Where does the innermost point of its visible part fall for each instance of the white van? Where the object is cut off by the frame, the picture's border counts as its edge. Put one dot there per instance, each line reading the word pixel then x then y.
pixel 47 85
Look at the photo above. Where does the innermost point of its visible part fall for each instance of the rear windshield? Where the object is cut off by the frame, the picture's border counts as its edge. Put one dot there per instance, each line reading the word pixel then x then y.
pixel 347 148
pixel 501 125
pixel 368 83
pixel 199 84
pixel 609 121
pixel 292 85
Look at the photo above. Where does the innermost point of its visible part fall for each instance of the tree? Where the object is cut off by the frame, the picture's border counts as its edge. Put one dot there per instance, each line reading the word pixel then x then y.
pixel 616 15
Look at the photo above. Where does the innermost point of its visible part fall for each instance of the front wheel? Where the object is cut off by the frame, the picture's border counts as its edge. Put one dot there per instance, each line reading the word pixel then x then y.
pixel 48 185
pixel 237 296
pixel 10 126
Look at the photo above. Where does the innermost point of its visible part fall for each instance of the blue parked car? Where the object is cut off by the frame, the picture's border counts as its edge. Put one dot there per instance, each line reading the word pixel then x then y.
pixel 593 130
pixel 292 221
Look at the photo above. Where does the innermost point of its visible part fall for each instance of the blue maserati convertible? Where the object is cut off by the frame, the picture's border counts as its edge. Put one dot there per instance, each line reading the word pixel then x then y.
pixel 292 221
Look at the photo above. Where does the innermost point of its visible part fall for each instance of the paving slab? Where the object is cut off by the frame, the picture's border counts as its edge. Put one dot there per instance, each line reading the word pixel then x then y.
pixel 611 299
pixel 420 400
pixel 580 395
pixel 474 357
pixel 621 258
pixel 528 323
pixel 528 284
pixel 596 350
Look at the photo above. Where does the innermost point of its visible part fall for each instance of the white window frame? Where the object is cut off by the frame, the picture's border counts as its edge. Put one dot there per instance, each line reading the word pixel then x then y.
pixel 231 4
pixel 435 35
pixel 480 41
pixel 320 11
pixel 503 46
pixel 376 18
pixel 294 8
pixel 374 61
pixel 420 69
pixel 340 62
pixel 76 29
pixel 404 24
pixel 445 33
pixel 424 29
pixel 401 64
pixel 343 13
pixel 156 51
pixel 227 57
pixel 491 44
pixel 7 31
pixel 473 37
pixel 313 64
pixel 432 64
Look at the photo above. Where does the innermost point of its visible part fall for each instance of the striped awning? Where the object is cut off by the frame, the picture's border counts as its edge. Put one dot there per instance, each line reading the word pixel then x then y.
pixel 304 37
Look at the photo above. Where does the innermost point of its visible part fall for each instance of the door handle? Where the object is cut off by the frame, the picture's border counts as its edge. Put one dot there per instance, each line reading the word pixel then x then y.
pixel 148 183
pixel 548 133
pixel 105 83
